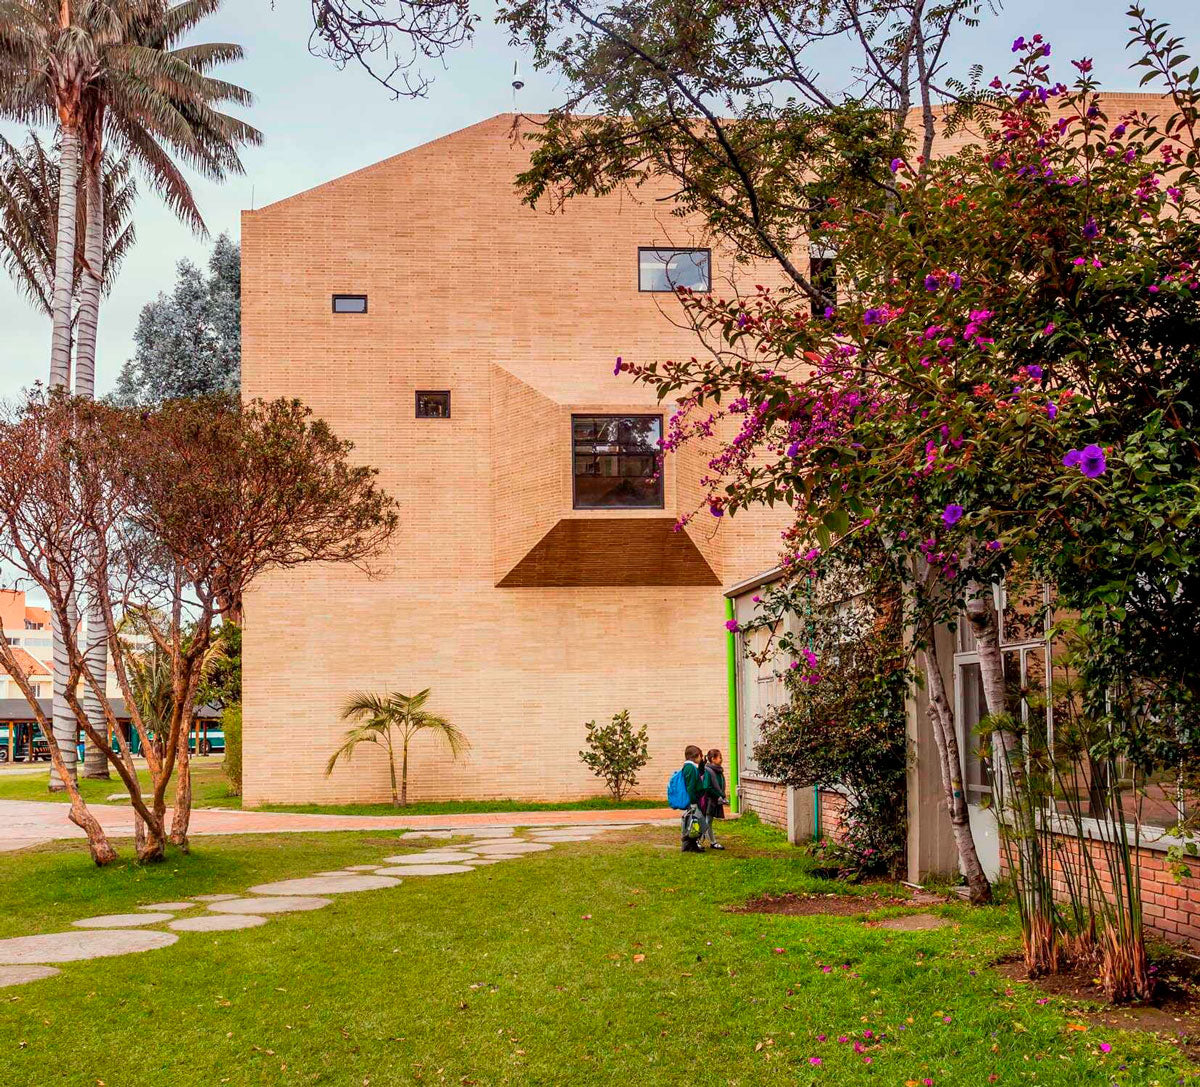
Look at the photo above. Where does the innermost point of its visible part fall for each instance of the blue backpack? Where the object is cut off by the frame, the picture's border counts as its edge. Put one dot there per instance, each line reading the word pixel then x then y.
pixel 677 794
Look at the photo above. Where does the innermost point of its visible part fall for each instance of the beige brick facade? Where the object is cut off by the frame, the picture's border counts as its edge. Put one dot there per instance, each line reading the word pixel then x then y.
pixel 520 315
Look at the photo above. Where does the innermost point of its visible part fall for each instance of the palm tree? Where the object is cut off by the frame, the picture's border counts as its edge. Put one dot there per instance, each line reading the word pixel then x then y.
pixel 378 715
pixel 29 185
pixel 113 69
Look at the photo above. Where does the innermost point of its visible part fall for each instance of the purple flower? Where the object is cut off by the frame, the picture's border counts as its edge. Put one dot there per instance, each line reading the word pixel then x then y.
pixel 619 366
pixel 742 320
pixel 952 514
pixel 1034 371
pixel 732 626
pixel 1091 461
pixel 993 545
pixel 1046 50
pixel 1071 458
pixel 1052 410
pixel 956 281
pixel 896 164
pixel 873 317
pixel 932 282
pixel 1090 229
pixel 1019 44
pixel 793 450
pixel 828 313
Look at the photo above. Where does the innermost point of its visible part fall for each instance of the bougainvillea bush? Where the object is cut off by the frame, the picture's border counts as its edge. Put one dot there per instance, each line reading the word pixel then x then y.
pixel 1009 379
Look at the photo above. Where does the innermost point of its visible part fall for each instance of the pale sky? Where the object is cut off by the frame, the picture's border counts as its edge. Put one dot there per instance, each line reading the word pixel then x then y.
pixel 319 123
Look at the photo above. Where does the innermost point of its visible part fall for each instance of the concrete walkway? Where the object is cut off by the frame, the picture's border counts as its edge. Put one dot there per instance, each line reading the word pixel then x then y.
pixel 26 822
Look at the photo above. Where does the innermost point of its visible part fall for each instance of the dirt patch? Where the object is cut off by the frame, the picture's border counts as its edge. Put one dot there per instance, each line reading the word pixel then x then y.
pixel 911 922
pixel 831 905
pixel 1173 1014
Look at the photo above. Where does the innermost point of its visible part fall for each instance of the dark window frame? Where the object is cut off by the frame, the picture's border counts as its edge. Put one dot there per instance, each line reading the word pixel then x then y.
pixel 660 480
pixel 430 392
pixel 348 312
pixel 706 250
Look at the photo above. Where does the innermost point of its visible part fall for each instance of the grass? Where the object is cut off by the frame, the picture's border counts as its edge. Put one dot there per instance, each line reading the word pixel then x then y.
pixel 211 790
pixel 612 961
pixel 459 807
pixel 209 786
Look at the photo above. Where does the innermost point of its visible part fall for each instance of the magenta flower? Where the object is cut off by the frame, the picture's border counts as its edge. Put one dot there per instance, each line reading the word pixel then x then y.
pixel 1105 1047
pixel 1048 330
pixel 732 626
pixel 619 366
pixel 820 1037
pixel 843 1039
pixel 816 1062
pixel 952 514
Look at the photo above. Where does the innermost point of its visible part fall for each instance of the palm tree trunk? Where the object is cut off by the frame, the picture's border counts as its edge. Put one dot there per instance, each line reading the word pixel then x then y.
pixel 403 775
pixel 63 722
pixel 392 768
pixel 95 764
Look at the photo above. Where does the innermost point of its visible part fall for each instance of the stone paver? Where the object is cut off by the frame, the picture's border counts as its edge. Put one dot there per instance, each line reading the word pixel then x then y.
pixel 169 906
pixel 425 870
pixel 22 975
pixel 360 868
pixel 510 847
pixel 337 884
pixel 567 838
pixel 81 944
pixel 914 922
pixel 215 898
pixel 218 922
pixel 285 904
pixel 122 920
pixel 27 822
pixel 479 862
pixel 431 856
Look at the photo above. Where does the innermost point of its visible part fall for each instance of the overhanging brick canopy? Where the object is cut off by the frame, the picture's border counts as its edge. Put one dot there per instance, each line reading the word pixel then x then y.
pixel 590 551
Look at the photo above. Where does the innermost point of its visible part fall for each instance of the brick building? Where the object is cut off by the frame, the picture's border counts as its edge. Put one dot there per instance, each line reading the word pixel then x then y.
pixel 466 344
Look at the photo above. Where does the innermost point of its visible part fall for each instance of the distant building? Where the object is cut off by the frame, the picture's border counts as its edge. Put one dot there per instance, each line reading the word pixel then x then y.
pixel 27 629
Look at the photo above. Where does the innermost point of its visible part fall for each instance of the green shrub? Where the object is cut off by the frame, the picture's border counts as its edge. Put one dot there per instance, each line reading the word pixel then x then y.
pixel 231 721
pixel 616 753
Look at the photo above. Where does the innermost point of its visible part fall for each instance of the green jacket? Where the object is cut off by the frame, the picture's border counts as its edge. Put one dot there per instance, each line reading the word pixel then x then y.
pixel 691 779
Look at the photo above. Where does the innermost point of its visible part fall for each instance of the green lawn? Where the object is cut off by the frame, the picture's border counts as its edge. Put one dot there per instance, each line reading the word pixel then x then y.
pixel 211 790
pixel 607 962
pixel 209 786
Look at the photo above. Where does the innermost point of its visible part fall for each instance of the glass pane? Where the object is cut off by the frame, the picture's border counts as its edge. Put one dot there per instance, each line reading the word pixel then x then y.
pixel 976 747
pixel 616 461
pixel 349 303
pixel 433 405
pixel 669 269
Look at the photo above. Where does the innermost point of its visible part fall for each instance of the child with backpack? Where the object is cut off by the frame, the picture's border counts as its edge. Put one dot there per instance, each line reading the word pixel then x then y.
pixel 712 795
pixel 683 792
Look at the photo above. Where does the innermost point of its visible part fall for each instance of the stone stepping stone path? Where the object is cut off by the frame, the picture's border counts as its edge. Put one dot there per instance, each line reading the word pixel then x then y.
pixel 913 922
pixel 336 884
pixel 432 856
pixel 22 975
pixel 218 922
pixel 76 945
pixel 286 904
pixel 28 958
pixel 122 920
pixel 424 870
pixel 510 847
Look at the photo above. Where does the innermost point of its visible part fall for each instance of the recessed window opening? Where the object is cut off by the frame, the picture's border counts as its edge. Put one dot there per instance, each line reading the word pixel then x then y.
pixel 616 463
pixel 349 303
pixel 670 269
pixel 433 404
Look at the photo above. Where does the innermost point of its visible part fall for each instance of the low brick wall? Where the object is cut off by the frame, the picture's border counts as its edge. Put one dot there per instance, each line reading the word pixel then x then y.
pixel 1171 908
pixel 833 813
pixel 767 799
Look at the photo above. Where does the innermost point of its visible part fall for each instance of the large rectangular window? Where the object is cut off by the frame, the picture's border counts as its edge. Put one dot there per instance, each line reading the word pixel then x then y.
pixel 670 269
pixel 616 461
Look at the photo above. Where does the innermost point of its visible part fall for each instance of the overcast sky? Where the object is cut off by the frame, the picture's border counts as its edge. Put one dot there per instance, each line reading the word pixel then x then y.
pixel 319 123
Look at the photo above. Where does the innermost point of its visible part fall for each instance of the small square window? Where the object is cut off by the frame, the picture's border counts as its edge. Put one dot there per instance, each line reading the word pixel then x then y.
pixel 670 269
pixel 433 405
pixel 349 303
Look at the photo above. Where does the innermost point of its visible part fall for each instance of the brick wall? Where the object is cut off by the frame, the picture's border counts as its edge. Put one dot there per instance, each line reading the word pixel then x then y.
pixel 1171 908
pixel 833 812
pixel 520 314
pixel 766 799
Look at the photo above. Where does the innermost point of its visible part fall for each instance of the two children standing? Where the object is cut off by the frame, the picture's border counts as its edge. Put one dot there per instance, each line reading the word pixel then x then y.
pixel 704 780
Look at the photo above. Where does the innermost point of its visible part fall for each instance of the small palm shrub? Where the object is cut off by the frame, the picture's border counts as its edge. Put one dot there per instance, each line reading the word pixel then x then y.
pixel 616 753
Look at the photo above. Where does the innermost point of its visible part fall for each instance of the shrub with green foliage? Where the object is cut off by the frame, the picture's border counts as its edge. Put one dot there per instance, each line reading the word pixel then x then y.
pixel 843 726
pixel 616 753
pixel 231 722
